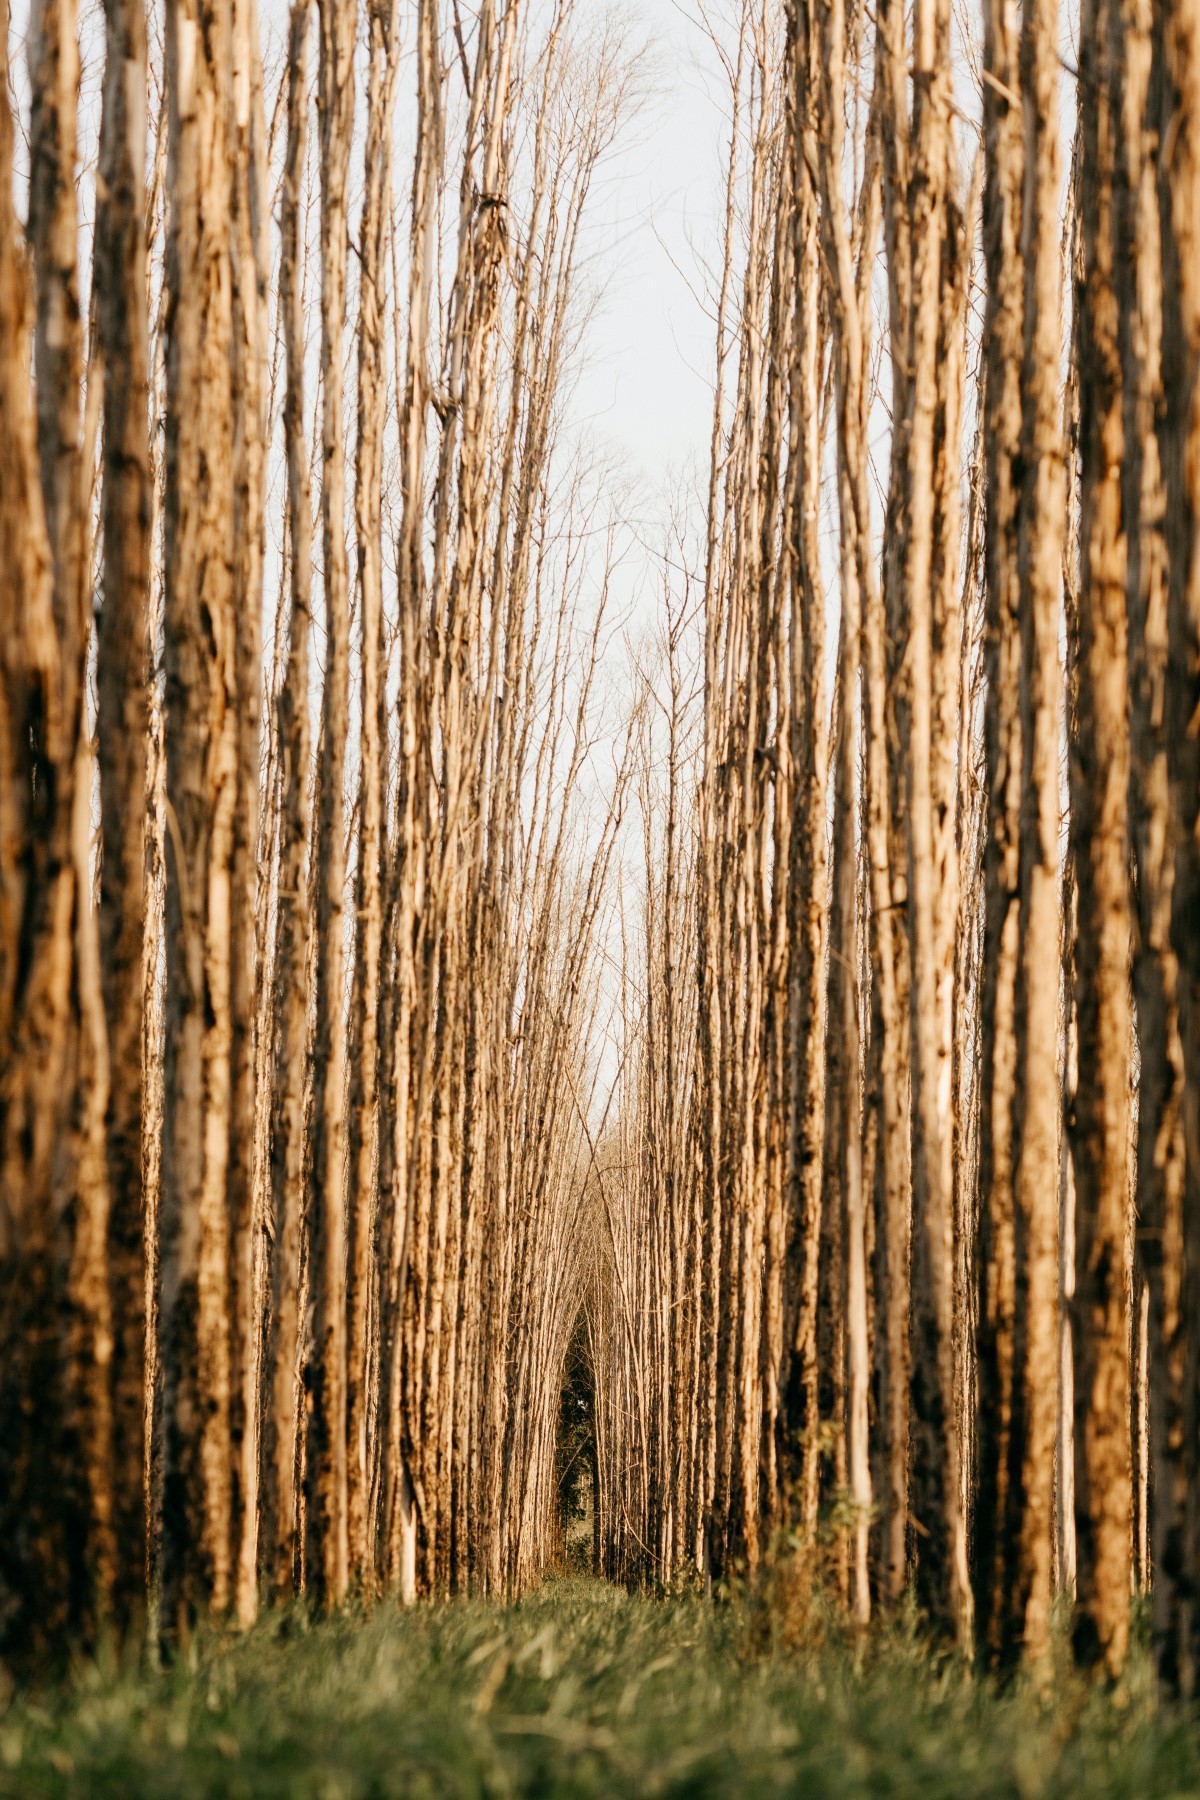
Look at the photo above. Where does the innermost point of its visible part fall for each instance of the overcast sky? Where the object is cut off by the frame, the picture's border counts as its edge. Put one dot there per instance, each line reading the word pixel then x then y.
pixel 651 351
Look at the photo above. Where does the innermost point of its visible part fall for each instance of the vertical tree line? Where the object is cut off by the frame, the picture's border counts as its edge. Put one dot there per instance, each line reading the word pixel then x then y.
pixel 938 1081
pixel 319 1105
pixel 804 1053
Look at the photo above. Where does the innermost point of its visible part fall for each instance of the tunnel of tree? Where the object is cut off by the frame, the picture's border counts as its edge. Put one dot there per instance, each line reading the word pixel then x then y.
pixel 478 1023
pixel 579 1519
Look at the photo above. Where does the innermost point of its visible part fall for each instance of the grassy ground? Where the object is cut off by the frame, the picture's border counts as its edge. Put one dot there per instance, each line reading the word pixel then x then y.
pixel 581 1690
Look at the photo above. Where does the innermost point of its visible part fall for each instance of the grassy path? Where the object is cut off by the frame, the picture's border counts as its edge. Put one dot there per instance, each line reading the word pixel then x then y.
pixel 579 1690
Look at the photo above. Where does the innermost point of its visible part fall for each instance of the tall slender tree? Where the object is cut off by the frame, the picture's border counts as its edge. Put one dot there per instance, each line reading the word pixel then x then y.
pixel 200 670
pixel 326 1500
pixel 44 1526
pixel 122 722
pixel 1040 525
pixel 1099 828
pixel 293 926
pixel 1178 113
pixel 249 280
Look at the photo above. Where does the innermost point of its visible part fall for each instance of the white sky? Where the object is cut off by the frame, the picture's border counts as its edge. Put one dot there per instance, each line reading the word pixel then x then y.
pixel 648 384
pixel 646 389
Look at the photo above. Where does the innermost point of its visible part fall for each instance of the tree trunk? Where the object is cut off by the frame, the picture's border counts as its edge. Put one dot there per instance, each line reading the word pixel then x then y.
pixel 365 1114
pixel 293 926
pixel 808 871
pixel 200 667
pixel 936 1498
pixel 122 723
pixel 327 1498
pixel 1179 205
pixel 1041 524
pixel 1099 821
pixel 249 268
pixel 43 1520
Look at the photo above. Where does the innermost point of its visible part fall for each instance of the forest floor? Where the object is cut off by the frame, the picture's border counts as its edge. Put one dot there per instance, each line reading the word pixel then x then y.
pixel 582 1690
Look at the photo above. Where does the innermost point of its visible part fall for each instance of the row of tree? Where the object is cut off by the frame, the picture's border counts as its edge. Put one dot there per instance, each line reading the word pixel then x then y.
pixel 303 840
pixel 879 1259
pixel 904 1197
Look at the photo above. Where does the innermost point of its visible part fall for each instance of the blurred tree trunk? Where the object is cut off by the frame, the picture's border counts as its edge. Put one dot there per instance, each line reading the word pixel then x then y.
pixel 406 861
pixel 365 1111
pixel 200 666
pixel 1161 1152
pixel 326 1500
pixel 808 872
pixel 1099 822
pixel 1072 254
pixel 294 926
pixel 1178 96
pixel 851 338
pixel 66 452
pixel 888 683
pixel 1041 523
pixel 250 275
pixel 936 1498
pixel 45 1525
pixel 122 722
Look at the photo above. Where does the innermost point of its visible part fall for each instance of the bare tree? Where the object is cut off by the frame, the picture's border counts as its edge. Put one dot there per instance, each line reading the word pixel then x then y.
pixel 293 925
pixel 45 1512
pixel 249 279
pixel 122 722
pixel 1041 519
pixel 1099 825
pixel 200 669
pixel 326 1499
pixel 1178 96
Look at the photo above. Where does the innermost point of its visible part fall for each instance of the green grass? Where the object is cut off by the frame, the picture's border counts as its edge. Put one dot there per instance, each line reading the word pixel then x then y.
pixel 582 1690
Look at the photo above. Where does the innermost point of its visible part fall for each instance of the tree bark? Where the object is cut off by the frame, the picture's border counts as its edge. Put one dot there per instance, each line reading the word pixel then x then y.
pixel 122 722
pixel 293 926
pixel 249 272
pixel 936 1498
pixel 1041 523
pixel 200 668
pixel 1179 208
pixel 365 1111
pixel 327 1497
pixel 43 1520
pixel 1099 822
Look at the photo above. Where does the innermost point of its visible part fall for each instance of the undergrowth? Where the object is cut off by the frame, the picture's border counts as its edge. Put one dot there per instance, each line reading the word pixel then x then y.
pixel 583 1690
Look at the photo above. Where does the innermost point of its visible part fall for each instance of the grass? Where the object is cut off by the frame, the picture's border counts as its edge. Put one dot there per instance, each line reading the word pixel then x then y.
pixel 581 1690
